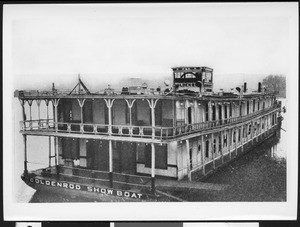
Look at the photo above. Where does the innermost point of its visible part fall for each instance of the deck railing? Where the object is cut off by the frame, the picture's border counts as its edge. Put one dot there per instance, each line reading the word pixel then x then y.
pixel 133 130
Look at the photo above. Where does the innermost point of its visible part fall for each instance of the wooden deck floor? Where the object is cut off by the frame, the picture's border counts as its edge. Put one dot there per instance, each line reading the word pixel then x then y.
pixel 173 184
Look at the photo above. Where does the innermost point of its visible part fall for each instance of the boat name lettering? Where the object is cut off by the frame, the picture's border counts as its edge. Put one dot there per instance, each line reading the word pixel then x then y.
pixel 106 191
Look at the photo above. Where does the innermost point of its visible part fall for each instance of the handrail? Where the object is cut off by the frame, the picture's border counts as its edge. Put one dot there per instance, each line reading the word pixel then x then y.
pixel 135 130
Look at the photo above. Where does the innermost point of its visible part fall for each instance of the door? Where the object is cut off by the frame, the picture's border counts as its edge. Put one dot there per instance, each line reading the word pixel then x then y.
pixel 128 161
pixel 97 155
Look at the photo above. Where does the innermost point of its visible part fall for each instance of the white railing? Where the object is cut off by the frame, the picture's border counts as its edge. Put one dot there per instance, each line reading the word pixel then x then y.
pixel 134 130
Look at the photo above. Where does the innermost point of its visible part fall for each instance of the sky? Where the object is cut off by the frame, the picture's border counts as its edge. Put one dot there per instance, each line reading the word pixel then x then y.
pixel 104 43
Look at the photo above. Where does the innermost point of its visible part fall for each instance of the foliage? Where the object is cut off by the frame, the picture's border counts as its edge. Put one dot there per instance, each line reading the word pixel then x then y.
pixel 275 84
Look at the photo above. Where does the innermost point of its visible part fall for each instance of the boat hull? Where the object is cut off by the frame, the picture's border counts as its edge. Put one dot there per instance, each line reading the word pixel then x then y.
pixel 89 191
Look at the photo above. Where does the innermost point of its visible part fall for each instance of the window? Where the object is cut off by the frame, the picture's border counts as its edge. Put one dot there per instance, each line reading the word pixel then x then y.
pixel 206 148
pixel 247 107
pixel 206 112
pixel 253 105
pixel 215 145
pixel 234 135
pixel 161 156
pixel 225 141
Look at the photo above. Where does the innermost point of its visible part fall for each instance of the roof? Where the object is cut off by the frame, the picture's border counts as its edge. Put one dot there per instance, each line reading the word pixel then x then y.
pixel 191 67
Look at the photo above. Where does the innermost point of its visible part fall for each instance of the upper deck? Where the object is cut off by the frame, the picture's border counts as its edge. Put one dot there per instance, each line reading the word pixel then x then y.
pixel 145 114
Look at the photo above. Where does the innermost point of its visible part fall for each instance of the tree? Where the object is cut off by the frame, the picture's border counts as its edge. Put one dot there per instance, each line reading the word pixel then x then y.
pixel 275 84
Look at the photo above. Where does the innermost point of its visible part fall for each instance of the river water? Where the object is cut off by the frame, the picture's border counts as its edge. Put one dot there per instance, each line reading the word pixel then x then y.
pixel 259 175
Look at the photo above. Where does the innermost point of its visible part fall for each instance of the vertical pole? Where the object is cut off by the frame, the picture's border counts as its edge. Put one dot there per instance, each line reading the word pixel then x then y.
pixel 252 130
pixel 222 112
pixel 203 156
pixel 55 103
pixel 217 112
pixel 152 168
pixel 222 140
pixel 30 115
pixel 152 106
pixel 213 150
pixel 236 140
pixel 50 156
pixel 229 142
pixel 110 163
pixel 55 150
pixel 25 155
pixel 242 138
pixel 188 158
pixel 209 113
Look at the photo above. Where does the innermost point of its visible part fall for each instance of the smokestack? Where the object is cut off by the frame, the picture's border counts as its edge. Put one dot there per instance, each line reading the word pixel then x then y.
pixel 259 87
pixel 245 87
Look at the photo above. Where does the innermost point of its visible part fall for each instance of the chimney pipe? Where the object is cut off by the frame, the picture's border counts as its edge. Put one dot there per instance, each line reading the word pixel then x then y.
pixel 245 87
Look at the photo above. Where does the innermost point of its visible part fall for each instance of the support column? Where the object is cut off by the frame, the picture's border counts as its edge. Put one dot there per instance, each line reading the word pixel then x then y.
pixel 213 151
pixel 30 104
pixel 236 140
pixel 56 150
pixel 229 142
pixel 50 155
pixel 152 104
pixel 242 138
pixel 152 168
pixel 55 104
pixel 252 130
pixel 210 113
pixel 222 144
pixel 203 156
pixel 109 104
pixel 38 102
pixel 81 103
pixel 217 112
pixel 222 112
pixel 25 155
pixel 47 112
pixel 110 163
pixel 130 103
pixel 188 160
